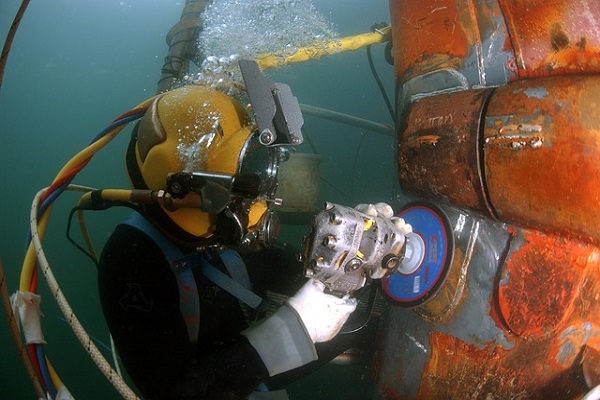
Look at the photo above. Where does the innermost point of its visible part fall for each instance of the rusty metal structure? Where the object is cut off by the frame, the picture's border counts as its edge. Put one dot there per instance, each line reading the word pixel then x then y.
pixel 498 105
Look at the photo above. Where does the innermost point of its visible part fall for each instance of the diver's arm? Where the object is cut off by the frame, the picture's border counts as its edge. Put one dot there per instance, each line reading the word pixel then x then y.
pixel 286 339
pixel 152 338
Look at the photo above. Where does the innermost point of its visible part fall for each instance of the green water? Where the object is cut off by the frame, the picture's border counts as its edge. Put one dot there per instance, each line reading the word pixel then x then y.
pixel 74 66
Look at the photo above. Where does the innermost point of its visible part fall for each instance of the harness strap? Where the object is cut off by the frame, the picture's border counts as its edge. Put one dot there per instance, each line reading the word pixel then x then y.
pixel 234 264
pixel 181 264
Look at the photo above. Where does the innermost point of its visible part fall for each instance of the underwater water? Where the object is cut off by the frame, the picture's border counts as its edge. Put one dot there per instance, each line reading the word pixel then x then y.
pixel 76 65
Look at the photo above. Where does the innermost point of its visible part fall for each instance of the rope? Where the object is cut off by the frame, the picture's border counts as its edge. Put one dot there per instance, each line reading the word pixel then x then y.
pixel 14 327
pixel 85 340
pixel 9 38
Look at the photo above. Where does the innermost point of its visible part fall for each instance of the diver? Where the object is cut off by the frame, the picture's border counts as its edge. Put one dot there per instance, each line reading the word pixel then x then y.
pixel 175 283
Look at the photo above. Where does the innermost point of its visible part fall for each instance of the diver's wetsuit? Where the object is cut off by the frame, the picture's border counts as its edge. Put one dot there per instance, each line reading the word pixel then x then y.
pixel 140 300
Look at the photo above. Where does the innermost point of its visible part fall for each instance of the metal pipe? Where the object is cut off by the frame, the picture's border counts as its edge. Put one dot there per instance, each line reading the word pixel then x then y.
pixel 181 39
pixel 347 119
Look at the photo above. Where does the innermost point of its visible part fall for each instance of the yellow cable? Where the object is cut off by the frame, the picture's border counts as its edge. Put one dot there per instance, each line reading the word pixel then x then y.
pixel 116 194
pixel 30 257
pixel 86 198
pixel 86 236
pixel 93 148
pixel 54 376
pixel 107 194
pixel 318 50
pixel 14 328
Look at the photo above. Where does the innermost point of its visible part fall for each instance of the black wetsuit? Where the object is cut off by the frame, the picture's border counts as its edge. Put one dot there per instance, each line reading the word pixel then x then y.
pixel 140 300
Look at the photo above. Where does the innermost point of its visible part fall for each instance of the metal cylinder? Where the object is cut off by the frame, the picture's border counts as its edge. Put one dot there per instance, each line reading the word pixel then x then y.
pixel 443 44
pixel 542 152
pixel 440 149
pixel 525 153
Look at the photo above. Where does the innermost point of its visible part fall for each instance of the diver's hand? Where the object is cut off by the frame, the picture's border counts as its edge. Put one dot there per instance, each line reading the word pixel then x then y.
pixel 384 210
pixel 286 339
pixel 323 315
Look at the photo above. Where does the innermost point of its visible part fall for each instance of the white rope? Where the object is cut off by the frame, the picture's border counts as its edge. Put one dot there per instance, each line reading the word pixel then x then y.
pixel 66 309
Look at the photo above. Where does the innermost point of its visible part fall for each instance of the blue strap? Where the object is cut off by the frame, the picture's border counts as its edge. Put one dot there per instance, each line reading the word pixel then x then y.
pixel 189 302
pixel 181 265
pixel 239 286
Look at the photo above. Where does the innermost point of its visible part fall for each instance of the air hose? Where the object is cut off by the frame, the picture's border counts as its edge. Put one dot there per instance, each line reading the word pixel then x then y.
pixel 321 49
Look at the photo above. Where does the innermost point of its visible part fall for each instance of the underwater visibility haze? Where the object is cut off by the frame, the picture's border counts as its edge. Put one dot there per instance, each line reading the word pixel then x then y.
pixel 76 65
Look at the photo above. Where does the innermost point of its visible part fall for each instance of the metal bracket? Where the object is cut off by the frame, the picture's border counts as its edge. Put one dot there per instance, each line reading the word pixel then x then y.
pixel 276 110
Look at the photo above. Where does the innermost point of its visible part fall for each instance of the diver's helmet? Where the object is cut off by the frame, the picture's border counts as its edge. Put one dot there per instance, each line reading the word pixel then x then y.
pixel 195 141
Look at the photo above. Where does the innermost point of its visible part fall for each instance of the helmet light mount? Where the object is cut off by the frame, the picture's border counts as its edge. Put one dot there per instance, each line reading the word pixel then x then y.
pixel 276 110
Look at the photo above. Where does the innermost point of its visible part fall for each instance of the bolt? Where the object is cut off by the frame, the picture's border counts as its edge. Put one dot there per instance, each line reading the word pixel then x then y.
pixel 391 263
pixel 329 241
pixel 353 265
pixel 266 137
pixel 175 188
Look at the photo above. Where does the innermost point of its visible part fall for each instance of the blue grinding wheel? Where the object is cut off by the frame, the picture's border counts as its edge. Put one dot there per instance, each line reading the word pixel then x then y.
pixel 428 256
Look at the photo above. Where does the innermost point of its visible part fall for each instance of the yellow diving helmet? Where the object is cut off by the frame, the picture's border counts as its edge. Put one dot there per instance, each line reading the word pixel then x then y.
pixel 195 141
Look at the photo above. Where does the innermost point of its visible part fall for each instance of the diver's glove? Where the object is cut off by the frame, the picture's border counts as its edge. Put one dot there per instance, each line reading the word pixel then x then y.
pixel 384 210
pixel 323 315
pixel 286 339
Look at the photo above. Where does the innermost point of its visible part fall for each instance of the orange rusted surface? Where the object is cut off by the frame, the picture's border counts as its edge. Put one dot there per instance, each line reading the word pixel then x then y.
pixel 428 25
pixel 545 304
pixel 522 320
pixel 536 165
pixel 467 37
pixel 439 153
pixel 554 37
pixel 535 38
pixel 543 277
pixel 460 371
pixel 541 147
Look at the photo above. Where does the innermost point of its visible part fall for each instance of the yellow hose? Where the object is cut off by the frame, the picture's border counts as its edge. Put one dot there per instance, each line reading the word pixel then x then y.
pixel 82 156
pixel 107 194
pixel 318 50
pixel 93 148
pixel 30 256
pixel 54 376
pixel 86 198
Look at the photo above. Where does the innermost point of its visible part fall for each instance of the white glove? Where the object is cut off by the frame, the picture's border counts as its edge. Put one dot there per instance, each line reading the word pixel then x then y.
pixel 323 315
pixel 384 210
pixel 286 339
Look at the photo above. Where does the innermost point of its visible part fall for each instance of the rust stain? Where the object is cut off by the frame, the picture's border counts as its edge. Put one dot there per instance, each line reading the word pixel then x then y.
pixel 580 57
pixel 554 37
pixel 439 149
pixel 418 141
pixel 539 266
pixel 427 36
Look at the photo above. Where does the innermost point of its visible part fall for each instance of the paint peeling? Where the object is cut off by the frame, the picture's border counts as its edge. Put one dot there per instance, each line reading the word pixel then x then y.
pixel 515 142
pixel 537 93
pixel 574 337
pixel 416 342
pixel 567 351
pixel 505 279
